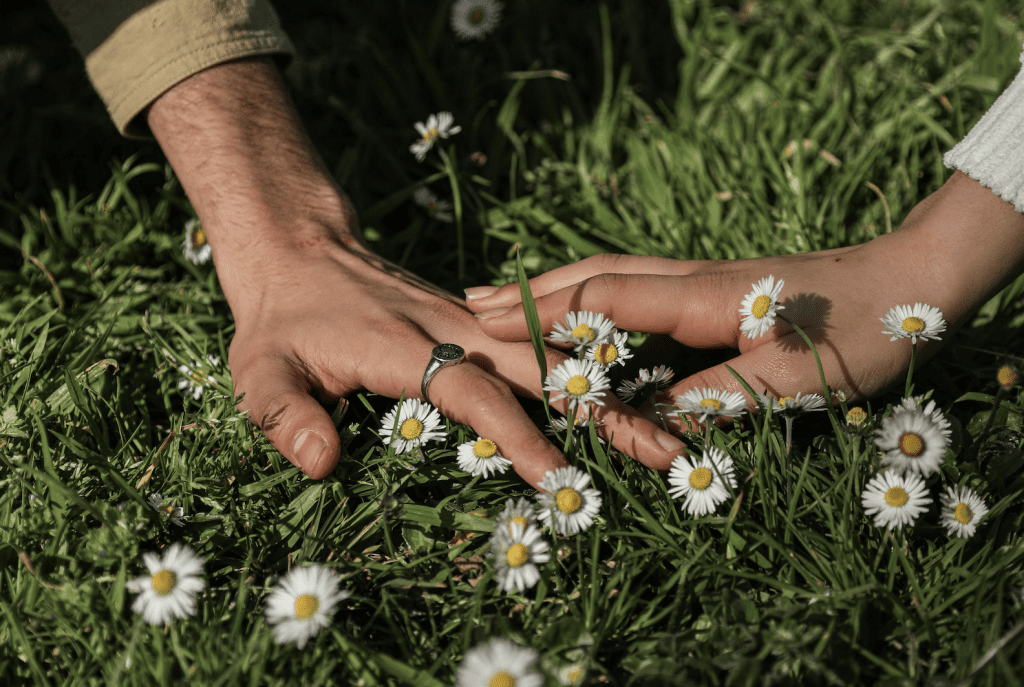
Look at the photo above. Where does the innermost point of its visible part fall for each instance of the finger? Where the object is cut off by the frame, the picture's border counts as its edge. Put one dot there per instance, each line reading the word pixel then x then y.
pixel 276 397
pixel 639 302
pixel 479 299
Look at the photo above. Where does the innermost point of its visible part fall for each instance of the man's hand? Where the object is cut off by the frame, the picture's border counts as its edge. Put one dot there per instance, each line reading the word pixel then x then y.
pixel 316 311
pixel 956 249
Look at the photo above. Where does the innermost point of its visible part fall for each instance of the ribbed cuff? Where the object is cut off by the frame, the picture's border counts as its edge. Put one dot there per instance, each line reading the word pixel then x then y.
pixel 993 152
pixel 171 40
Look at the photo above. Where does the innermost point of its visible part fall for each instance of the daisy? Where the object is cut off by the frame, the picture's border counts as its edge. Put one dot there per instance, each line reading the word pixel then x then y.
pixel 440 210
pixel 583 328
pixel 931 411
pixel 169 591
pixel 579 426
pixel 711 403
pixel 911 442
pixel 411 423
pixel 196 247
pixel 610 352
pixel 302 603
pixel 1007 376
pixel 702 482
pixel 582 381
pixel 197 379
pixel 481 457
pixel 760 306
pixel 499 662
pixel 894 499
pixel 792 406
pixel 856 417
pixel 962 508
pixel 919 321
pixel 647 381
pixel 437 126
pixel 475 18
pixel 572 674
pixel 566 504
pixel 517 552
pixel 166 509
pixel 519 512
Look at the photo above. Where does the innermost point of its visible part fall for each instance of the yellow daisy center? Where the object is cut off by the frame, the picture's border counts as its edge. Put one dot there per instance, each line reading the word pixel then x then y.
pixel 306 606
pixel 411 428
pixel 568 500
pixel 484 448
pixel 583 332
pixel 517 520
pixel 785 400
pixel 700 478
pixel 912 325
pixel 574 675
pixel 431 135
pixel 164 582
pixel 760 307
pixel 1007 376
pixel 911 444
pixel 896 497
pixel 517 555
pixel 711 405
pixel 856 417
pixel 166 510
pixel 476 15
pixel 199 238
pixel 606 353
pixel 577 385
pixel 963 514
pixel 502 678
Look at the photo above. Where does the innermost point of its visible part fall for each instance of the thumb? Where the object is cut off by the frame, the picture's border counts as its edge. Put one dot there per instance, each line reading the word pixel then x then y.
pixel 276 397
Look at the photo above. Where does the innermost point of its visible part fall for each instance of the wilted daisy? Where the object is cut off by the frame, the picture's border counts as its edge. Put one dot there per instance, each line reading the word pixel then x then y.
pixel 196 377
pixel 583 328
pixel 499 662
pixel 302 603
pixel 481 457
pixel 437 126
pixel 517 551
pixel 196 247
pixel 440 210
pixel 167 509
pixel 962 509
pixel 919 321
pixel 711 403
pixel 792 406
pixel 412 423
pixel 1007 376
pixel 647 382
pixel 911 442
pixel 930 410
pixel 894 499
pixel 582 381
pixel 519 512
pixel 702 482
pixel 610 352
pixel 475 18
pixel 759 307
pixel 169 591
pixel 856 417
pixel 567 505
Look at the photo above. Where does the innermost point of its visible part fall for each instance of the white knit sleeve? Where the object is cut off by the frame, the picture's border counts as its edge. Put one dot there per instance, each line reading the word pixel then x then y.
pixel 993 152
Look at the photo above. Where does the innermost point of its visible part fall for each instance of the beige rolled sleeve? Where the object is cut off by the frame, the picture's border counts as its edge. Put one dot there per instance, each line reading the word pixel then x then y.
pixel 135 50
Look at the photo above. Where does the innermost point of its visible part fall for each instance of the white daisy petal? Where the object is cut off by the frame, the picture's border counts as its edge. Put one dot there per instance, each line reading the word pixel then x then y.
pixel 894 499
pixel 196 246
pixel 440 210
pixel 302 603
pixel 521 512
pixel 410 424
pixel 481 457
pixel 610 352
pixel 582 381
pixel 919 321
pixel 792 406
pixel 474 19
pixel 567 505
pixel 437 126
pixel 168 592
pixel 197 378
pixel 499 662
pixel 760 306
pixel 962 509
pixel 711 403
pixel 517 551
pixel 912 442
pixel 583 328
pixel 703 482
pixel 647 380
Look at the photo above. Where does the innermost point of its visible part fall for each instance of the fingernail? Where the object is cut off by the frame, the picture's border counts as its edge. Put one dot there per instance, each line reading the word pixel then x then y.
pixel 308 448
pixel 479 292
pixel 492 313
pixel 668 442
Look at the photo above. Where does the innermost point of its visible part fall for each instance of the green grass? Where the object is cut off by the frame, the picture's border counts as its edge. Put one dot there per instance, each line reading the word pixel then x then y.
pixel 671 138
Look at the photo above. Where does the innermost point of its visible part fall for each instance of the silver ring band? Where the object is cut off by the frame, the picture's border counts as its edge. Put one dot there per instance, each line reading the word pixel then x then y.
pixel 443 355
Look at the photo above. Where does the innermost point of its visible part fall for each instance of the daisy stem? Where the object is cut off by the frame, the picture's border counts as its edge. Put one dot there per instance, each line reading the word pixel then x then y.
pixel 817 360
pixel 910 372
pixel 449 167
pixel 651 393
pixel 789 459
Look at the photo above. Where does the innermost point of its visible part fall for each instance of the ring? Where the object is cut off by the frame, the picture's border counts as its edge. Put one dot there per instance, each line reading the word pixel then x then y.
pixel 443 355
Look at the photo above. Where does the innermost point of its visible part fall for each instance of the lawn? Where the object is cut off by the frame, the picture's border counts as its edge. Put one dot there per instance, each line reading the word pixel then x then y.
pixel 687 129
